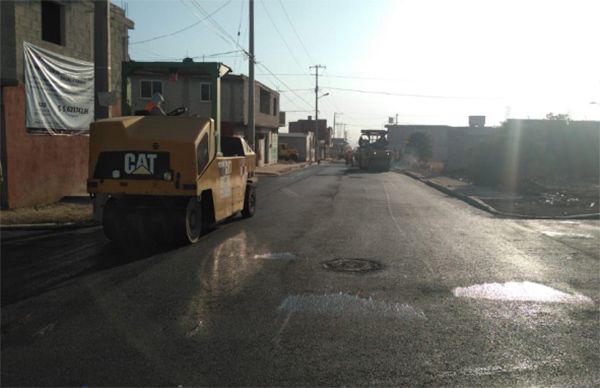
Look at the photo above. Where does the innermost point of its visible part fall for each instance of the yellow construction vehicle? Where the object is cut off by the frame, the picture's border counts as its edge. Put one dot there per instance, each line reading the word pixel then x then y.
pixel 165 178
pixel 373 151
pixel 286 153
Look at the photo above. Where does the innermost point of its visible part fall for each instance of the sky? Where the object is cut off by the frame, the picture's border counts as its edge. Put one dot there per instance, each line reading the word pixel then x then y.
pixel 427 61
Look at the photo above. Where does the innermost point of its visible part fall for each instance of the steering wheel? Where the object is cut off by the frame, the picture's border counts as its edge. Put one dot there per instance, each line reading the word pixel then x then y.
pixel 177 111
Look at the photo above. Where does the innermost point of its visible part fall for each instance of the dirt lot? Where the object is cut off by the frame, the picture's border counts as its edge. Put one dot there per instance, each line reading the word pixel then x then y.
pixel 549 204
pixel 61 212
pixel 557 199
pixel 532 198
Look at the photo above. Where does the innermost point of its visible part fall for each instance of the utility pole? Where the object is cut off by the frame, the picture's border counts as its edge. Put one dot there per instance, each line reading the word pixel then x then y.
pixel 335 133
pixel 250 136
pixel 317 67
pixel 334 129
pixel 101 55
pixel 396 118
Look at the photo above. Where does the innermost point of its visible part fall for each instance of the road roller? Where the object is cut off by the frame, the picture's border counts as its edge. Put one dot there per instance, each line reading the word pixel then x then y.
pixel 168 178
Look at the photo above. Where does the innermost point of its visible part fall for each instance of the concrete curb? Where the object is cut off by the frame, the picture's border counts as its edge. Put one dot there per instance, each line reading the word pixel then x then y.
pixel 50 226
pixel 479 204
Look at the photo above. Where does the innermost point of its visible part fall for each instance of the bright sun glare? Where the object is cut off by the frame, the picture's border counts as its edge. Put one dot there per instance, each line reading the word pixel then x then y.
pixel 516 58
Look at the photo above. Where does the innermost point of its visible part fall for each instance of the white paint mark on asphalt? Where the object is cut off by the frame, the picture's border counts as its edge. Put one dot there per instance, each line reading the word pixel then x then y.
pixel 555 233
pixel 397 224
pixel 491 370
pixel 290 192
pixel 195 330
pixel 277 339
pixel 519 291
pixel 276 256
pixel 344 304
pixel 46 329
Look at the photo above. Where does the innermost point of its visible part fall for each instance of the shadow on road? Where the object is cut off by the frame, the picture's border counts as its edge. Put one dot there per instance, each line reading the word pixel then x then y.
pixel 29 270
pixel 355 170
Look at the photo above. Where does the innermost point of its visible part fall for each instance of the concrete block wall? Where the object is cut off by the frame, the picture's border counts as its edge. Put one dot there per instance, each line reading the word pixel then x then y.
pixel 260 119
pixel 233 92
pixel 119 38
pixel 8 66
pixel 399 134
pixel 263 119
pixel 461 143
pixel 78 31
pixel 78 34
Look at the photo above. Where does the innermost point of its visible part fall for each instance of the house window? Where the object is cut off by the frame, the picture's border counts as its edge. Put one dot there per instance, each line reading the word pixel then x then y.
pixel 204 92
pixel 53 22
pixel 148 88
pixel 274 106
pixel 265 101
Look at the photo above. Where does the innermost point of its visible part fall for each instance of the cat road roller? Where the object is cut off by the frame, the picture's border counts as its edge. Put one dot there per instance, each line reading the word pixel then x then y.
pixel 167 179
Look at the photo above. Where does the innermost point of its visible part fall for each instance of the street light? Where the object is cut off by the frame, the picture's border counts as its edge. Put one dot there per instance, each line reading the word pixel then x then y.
pixel 317 155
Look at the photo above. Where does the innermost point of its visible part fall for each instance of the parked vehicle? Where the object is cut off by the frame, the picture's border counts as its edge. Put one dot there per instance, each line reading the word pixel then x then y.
pixel 286 153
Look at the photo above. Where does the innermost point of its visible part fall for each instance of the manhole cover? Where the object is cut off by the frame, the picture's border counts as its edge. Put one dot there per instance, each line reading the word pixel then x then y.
pixel 352 265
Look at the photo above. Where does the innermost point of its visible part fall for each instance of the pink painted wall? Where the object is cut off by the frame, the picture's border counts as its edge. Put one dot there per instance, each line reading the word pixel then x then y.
pixel 40 168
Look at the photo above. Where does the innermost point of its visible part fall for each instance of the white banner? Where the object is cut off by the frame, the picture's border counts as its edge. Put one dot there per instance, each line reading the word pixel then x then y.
pixel 59 90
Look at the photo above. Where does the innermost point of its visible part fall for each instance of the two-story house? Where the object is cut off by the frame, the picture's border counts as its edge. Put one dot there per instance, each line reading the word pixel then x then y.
pixel 182 86
pixel 267 116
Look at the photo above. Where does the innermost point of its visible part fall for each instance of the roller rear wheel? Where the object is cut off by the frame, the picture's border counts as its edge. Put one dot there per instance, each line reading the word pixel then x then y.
pixel 249 202
pixel 111 220
pixel 188 222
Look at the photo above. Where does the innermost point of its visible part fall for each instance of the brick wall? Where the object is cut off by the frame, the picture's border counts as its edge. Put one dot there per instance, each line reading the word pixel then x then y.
pixel 39 169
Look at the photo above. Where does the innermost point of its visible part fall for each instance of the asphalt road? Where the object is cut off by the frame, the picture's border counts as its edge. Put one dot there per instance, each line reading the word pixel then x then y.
pixel 461 298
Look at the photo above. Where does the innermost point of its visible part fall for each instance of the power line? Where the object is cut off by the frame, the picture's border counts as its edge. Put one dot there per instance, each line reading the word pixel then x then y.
pixel 235 53
pixel 363 78
pixel 222 31
pixel 298 90
pixel 283 83
pixel 291 74
pixel 296 32
pixel 181 30
pixel 331 101
pixel 239 29
pixel 215 30
pixel 410 95
pixel 345 77
pixel 281 35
